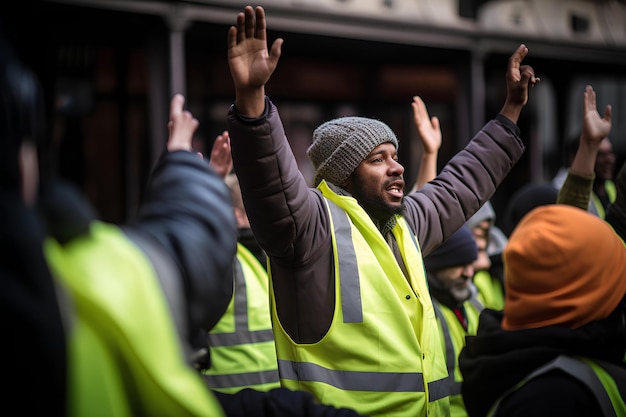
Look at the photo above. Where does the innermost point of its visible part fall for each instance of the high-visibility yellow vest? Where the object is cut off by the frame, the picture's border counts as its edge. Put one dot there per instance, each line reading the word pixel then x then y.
pixel 611 191
pixel 453 334
pixel 243 354
pixel 490 290
pixel 382 355
pixel 125 356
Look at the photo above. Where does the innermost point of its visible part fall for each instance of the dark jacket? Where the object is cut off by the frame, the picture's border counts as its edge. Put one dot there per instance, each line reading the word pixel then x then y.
pixel 32 327
pixel 33 337
pixel 278 402
pixel 185 220
pixel 291 223
pixel 495 360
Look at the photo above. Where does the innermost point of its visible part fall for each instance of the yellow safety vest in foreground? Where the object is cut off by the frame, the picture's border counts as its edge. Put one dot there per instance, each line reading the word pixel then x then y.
pixel 382 355
pixel 125 357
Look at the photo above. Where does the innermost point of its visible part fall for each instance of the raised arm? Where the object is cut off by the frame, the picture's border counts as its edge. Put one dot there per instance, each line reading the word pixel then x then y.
pixel 472 175
pixel 518 79
pixel 251 64
pixel 576 189
pixel 187 210
pixel 595 128
pixel 429 133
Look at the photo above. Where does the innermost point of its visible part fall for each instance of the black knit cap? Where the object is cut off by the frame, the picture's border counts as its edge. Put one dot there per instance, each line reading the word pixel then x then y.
pixel 459 249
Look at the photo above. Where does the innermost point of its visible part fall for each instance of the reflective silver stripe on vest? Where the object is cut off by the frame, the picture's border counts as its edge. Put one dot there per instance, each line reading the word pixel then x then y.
pixel 363 381
pixel 414 239
pixel 476 302
pixel 241 335
pixel 438 389
pixel 242 380
pixel 576 368
pixel 240 338
pixel 348 270
pixel 455 387
pixel 352 380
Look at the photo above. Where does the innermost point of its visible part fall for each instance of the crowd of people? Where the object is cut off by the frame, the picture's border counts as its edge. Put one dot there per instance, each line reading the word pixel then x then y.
pixel 239 290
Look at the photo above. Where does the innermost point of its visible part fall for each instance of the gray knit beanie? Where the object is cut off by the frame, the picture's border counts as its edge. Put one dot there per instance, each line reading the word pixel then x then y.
pixel 340 145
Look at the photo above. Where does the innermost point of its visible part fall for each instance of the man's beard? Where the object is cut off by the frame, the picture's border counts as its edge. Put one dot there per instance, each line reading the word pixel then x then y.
pixel 447 297
pixel 377 208
pixel 374 205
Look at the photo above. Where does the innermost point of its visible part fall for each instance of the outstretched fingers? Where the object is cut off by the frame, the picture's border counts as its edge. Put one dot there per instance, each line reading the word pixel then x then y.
pixel 261 25
pixel 590 103
pixel 250 24
pixel 249 21
pixel 221 159
pixel 589 99
pixel 419 110
pixel 241 27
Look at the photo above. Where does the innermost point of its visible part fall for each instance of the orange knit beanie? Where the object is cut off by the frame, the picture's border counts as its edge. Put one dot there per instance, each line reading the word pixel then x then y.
pixel 563 266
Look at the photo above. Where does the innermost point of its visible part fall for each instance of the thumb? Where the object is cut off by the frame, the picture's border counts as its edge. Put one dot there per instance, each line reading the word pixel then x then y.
pixel 276 50
pixel 607 112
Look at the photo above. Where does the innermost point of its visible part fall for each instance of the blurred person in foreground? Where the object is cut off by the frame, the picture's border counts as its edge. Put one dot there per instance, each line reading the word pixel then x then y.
pixel 558 346
pixel 352 317
pixel 30 308
pixel 133 300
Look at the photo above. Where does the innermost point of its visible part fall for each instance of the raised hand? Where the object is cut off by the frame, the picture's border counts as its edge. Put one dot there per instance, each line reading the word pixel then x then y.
pixel 182 126
pixel 518 80
pixel 595 127
pixel 428 128
pixel 251 64
pixel 221 159
pixel 594 130
pixel 429 132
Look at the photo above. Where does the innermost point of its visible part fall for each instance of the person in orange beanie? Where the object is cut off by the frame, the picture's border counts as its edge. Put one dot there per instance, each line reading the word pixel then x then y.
pixel 558 346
